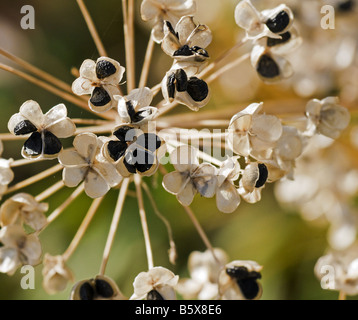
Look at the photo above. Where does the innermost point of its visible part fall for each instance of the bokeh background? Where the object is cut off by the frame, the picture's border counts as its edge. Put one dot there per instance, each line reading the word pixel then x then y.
pixel 280 240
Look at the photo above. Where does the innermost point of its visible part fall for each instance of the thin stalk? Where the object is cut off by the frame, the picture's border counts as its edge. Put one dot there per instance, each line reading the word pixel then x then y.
pixel 129 43
pixel 35 178
pixel 50 191
pixel 172 250
pixel 96 129
pixel 65 204
pixel 92 28
pixel 21 162
pixel 201 232
pixel 114 225
pixel 36 71
pixel 82 229
pixel 62 94
pixel 143 219
pixel 147 62
pixel 227 67
pixel 342 296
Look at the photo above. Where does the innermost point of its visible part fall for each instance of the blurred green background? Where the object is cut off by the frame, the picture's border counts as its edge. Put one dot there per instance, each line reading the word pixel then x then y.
pixel 281 241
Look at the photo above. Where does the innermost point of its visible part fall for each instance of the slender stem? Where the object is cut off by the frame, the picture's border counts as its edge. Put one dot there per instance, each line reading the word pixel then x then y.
pixel 96 129
pixel 172 250
pixel 50 191
pixel 114 225
pixel 36 71
pixel 227 67
pixel 92 28
pixel 143 219
pixel 35 178
pixel 11 137
pixel 200 230
pixel 156 89
pixel 222 57
pixel 129 43
pixel 89 121
pixel 65 204
pixel 82 229
pixel 147 62
pixel 21 162
pixel 63 95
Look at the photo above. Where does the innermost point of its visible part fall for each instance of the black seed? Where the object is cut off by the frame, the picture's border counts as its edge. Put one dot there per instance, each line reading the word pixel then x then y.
pixel 100 97
pixel 33 145
pixel 346 6
pixel 144 160
pixel 249 288
pixel 183 51
pixel 267 67
pixel 103 288
pixel 197 89
pixel 237 272
pixel 171 85
pixel 140 115
pixel 130 167
pixel 86 292
pixel 24 127
pixel 154 295
pixel 52 145
pixel 200 51
pixel 149 141
pixel 263 174
pixel 181 80
pixel 104 69
pixel 116 149
pixel 278 23
pixel 124 133
pixel 171 29
pixel 271 42
pixel 130 109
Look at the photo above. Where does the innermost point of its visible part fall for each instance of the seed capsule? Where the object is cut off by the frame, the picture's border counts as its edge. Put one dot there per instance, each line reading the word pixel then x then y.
pixel 267 67
pixel 100 97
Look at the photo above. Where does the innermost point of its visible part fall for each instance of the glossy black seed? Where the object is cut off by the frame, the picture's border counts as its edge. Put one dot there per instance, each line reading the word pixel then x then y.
pixel 263 175
pixel 197 89
pixel 130 167
pixel 346 6
pixel 143 159
pixel 278 23
pixel 140 115
pixel 33 145
pixel 86 292
pixel 149 141
pixel 116 149
pixel 171 85
pixel 105 69
pixel 181 80
pixel 249 288
pixel 100 97
pixel 271 42
pixel 124 133
pixel 154 295
pixel 171 29
pixel 52 145
pixel 103 288
pixel 200 51
pixel 24 127
pixel 267 67
pixel 237 272
pixel 183 51
pixel 130 109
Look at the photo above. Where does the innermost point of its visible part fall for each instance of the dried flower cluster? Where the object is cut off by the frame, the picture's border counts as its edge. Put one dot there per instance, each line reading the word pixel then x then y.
pixel 127 145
